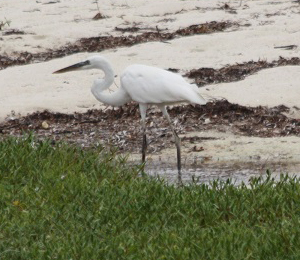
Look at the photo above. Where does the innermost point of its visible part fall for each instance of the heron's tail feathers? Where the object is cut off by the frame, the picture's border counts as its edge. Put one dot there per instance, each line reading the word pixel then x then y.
pixel 198 98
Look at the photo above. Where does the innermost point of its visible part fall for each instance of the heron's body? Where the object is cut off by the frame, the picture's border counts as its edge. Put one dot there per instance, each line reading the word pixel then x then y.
pixel 145 85
pixel 150 85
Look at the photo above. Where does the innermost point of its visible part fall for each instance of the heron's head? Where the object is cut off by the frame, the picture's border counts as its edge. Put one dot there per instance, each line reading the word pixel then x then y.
pixel 90 63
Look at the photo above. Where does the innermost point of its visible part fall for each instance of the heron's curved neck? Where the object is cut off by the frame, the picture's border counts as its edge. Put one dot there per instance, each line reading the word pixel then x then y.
pixel 117 98
pixel 108 75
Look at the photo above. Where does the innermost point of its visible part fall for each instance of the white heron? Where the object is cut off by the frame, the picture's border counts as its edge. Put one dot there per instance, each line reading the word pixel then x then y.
pixel 145 85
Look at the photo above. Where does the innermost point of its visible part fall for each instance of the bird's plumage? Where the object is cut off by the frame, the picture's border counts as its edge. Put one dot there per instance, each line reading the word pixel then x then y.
pixel 150 85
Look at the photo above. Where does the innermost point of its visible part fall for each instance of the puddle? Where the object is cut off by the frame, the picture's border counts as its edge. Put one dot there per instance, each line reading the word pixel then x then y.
pixel 206 173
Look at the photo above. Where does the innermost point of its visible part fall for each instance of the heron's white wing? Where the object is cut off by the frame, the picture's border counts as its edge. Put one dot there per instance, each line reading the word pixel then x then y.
pixel 147 84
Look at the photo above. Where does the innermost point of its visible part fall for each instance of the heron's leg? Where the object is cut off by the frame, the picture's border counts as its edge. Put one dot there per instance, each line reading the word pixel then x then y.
pixel 143 109
pixel 177 141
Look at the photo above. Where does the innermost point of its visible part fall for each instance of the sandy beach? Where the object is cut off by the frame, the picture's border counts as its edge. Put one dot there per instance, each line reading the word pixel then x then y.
pixel 260 28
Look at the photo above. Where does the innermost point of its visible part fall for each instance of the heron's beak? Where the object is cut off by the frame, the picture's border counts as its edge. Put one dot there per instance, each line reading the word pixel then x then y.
pixel 73 67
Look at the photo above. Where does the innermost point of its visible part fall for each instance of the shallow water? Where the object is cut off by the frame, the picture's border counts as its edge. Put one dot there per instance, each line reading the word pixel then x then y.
pixel 206 173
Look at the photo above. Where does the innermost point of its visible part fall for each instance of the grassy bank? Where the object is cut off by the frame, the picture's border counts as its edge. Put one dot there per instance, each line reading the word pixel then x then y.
pixel 60 202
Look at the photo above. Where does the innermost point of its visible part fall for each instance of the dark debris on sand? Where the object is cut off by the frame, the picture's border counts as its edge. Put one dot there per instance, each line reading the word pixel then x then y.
pixel 121 127
pixel 201 76
pixel 98 44
pixel 13 32
pixel 239 71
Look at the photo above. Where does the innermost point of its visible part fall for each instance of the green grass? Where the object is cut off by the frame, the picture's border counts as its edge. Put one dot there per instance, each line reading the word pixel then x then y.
pixel 62 202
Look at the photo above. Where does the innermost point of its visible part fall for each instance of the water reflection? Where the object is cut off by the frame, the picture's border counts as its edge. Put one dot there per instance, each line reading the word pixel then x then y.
pixel 206 173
